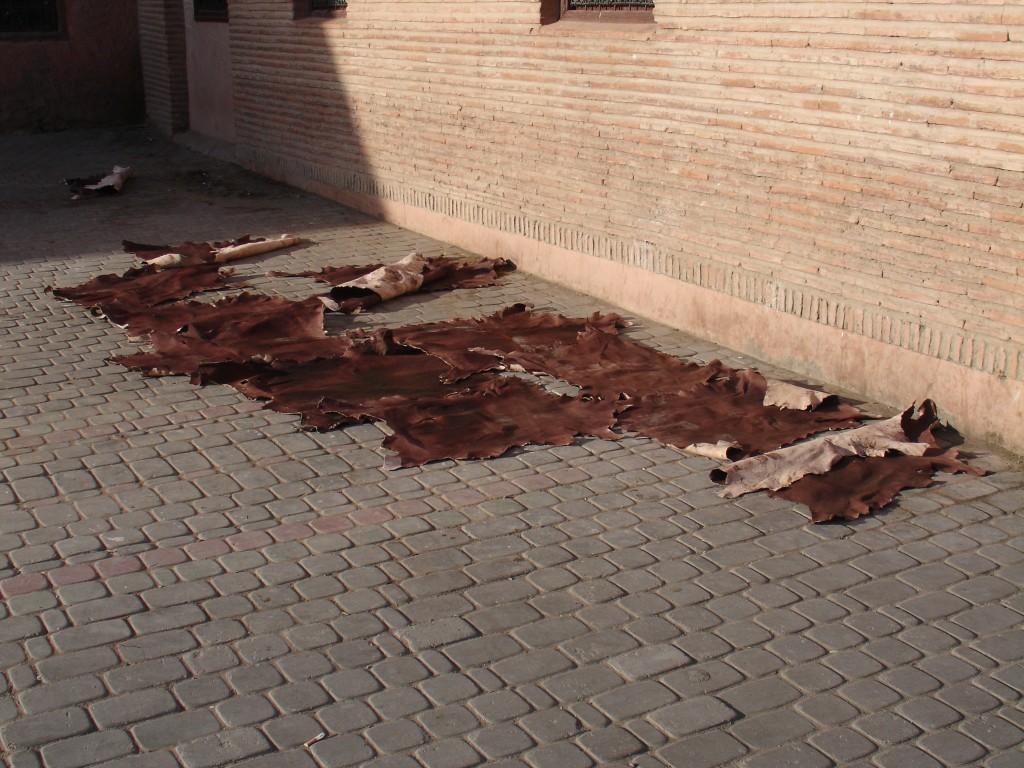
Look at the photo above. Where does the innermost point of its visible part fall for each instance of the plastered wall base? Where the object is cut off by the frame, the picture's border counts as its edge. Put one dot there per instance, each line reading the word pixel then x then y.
pixel 986 407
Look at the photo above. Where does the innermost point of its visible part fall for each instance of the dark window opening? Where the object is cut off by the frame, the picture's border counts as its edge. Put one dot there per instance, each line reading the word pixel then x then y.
pixel 322 8
pixel 597 10
pixel 30 17
pixel 609 5
pixel 210 10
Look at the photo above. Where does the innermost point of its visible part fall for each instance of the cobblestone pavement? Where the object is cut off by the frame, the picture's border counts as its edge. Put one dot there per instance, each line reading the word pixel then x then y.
pixel 190 580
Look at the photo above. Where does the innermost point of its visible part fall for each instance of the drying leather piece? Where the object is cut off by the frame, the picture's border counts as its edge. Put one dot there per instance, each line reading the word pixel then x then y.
pixel 215 252
pixel 440 273
pixel 411 274
pixel 331 275
pixel 445 274
pixel 505 413
pixel 475 344
pixel 781 468
pixel 728 409
pixel 184 355
pixel 100 184
pixel 248 314
pixel 332 392
pixel 199 252
pixel 856 486
pixel 794 397
pixel 134 292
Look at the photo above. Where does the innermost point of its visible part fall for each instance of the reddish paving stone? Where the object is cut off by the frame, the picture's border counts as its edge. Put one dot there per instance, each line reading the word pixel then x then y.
pixel 241 542
pixel 410 508
pixel 72 574
pixel 291 531
pixel 23 584
pixel 204 550
pixel 118 566
pixel 371 516
pixel 332 524
pixel 163 557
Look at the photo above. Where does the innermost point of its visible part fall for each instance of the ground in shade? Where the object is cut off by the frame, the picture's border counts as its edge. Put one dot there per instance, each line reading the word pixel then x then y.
pixel 188 580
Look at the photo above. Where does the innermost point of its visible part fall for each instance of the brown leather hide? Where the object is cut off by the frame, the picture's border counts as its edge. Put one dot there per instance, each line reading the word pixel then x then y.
pixel 119 297
pixel 503 413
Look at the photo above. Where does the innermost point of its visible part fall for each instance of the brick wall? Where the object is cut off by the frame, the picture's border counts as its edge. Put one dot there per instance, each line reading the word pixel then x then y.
pixel 162 31
pixel 89 75
pixel 856 165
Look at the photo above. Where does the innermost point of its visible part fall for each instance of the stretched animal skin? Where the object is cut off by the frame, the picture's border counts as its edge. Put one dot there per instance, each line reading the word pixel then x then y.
pixel 118 297
pixel 504 413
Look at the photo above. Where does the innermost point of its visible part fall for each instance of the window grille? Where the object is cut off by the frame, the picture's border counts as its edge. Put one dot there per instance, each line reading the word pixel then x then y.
pixel 19 17
pixel 210 10
pixel 329 5
pixel 610 5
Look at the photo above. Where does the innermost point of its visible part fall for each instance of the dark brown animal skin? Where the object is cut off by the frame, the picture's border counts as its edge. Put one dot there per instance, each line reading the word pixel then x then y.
pixel 447 404
pixel 198 252
pixel 440 274
pixel 504 413
pixel 120 297
pixel 856 486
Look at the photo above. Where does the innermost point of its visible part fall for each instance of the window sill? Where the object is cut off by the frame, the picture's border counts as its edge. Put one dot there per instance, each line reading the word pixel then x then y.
pixel 574 26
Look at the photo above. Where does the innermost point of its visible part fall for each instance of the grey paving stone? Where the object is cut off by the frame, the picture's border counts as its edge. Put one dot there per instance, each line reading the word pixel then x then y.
pixel 580 684
pixel 132 707
pixel 395 736
pixel 223 748
pixel 634 700
pixel 791 754
pixel 346 716
pixel 842 745
pixel 167 731
pixel 145 674
pixel 906 756
pixel 36 730
pixel 557 756
pixel 705 750
pixel 887 728
pixel 649 661
pixel 498 741
pixel 951 748
pixel 928 714
pixel 448 754
pixel 759 695
pixel 771 729
pixel 292 731
pixel 91 749
pixel 451 720
pixel 693 715
pixel 45 698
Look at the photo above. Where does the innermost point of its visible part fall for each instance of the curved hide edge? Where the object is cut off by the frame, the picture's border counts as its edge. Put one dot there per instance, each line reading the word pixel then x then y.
pixel 474 344
pixel 387 282
pixel 440 273
pixel 714 413
pixel 101 184
pixel 189 336
pixel 197 252
pixel 332 392
pixel 248 315
pixel 445 274
pixel 781 468
pixel 209 361
pixel 119 296
pixel 723 450
pixel 794 397
pixel 331 275
pixel 507 413
pixel 857 486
